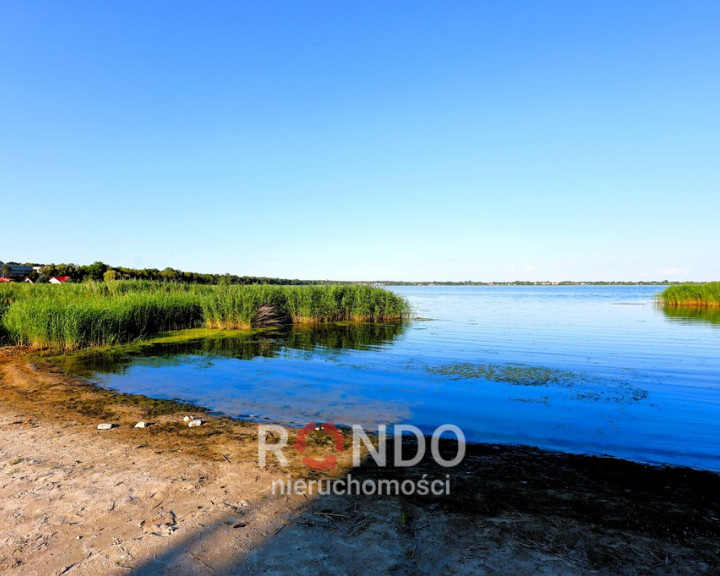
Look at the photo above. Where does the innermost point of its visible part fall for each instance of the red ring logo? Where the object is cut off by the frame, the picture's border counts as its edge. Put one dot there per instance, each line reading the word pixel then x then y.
pixel 323 463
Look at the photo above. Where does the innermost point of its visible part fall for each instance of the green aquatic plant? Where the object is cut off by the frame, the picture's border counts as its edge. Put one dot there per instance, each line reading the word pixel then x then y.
pixel 692 295
pixel 516 374
pixel 585 386
pixel 106 313
pixel 77 322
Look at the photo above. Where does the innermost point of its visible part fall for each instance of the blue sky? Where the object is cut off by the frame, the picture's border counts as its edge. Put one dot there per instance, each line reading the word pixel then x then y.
pixel 364 140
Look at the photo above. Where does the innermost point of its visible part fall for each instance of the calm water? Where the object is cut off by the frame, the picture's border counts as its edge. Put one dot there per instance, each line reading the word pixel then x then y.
pixel 597 370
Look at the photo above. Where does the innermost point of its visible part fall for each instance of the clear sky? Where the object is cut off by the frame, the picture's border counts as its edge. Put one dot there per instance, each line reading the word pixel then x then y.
pixel 355 140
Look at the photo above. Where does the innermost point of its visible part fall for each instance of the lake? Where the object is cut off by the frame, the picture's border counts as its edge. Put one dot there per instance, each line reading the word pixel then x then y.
pixel 583 369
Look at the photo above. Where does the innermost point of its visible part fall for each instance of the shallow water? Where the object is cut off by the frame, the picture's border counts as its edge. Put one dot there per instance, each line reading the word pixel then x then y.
pixel 598 370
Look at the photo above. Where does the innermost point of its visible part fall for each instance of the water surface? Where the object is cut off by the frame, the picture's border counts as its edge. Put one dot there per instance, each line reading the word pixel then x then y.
pixel 598 370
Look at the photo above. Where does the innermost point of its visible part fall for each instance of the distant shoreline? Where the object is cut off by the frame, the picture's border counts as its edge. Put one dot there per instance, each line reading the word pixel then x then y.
pixel 100 271
pixel 529 283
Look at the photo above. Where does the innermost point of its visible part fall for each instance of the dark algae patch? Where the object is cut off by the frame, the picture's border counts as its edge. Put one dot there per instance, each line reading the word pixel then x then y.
pixel 586 386
pixel 102 406
pixel 515 374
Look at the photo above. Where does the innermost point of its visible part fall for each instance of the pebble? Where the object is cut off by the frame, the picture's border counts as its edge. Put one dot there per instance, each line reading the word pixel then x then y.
pixel 194 423
pixel 141 425
pixel 188 418
pixel 104 426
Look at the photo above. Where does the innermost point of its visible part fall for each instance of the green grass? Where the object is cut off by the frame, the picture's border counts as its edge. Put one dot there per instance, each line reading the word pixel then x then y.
pixel 697 295
pixel 99 314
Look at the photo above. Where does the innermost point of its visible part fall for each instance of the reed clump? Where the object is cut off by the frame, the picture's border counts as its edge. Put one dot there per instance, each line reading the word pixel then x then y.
pixel 692 295
pixel 107 313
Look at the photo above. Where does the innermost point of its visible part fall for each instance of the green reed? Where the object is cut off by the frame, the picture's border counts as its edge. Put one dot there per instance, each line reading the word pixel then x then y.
pixel 697 295
pixel 104 313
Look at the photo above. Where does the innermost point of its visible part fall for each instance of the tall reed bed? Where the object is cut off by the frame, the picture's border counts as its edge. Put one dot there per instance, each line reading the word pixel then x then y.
pixel 49 322
pixel 91 314
pixel 697 295
pixel 8 293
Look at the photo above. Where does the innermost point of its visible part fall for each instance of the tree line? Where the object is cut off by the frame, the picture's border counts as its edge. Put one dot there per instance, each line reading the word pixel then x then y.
pixel 99 271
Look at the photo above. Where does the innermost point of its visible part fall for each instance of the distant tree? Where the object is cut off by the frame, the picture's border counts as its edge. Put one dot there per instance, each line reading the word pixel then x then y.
pixel 48 270
pixel 65 270
pixel 168 274
pixel 96 270
pixel 42 279
pixel 5 271
pixel 110 275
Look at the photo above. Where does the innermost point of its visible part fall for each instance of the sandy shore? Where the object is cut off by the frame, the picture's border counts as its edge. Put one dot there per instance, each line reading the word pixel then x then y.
pixel 168 499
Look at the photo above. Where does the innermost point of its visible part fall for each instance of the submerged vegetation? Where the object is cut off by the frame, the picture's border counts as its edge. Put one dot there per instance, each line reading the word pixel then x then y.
pixel 585 386
pixel 96 314
pixel 516 374
pixel 697 295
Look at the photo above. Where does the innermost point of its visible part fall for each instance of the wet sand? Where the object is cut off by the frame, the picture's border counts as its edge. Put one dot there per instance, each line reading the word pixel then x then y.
pixel 173 499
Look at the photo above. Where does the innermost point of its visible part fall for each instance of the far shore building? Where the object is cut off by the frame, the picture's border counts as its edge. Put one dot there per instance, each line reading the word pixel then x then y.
pixel 18 272
pixel 59 279
pixel 6 280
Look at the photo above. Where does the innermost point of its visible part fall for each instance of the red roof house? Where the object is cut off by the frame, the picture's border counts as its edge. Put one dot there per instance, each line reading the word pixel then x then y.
pixel 59 279
pixel 6 280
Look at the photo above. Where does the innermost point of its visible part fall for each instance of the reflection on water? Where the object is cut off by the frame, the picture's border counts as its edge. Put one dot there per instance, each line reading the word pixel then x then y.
pixel 599 370
pixel 238 345
pixel 263 375
pixel 691 314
